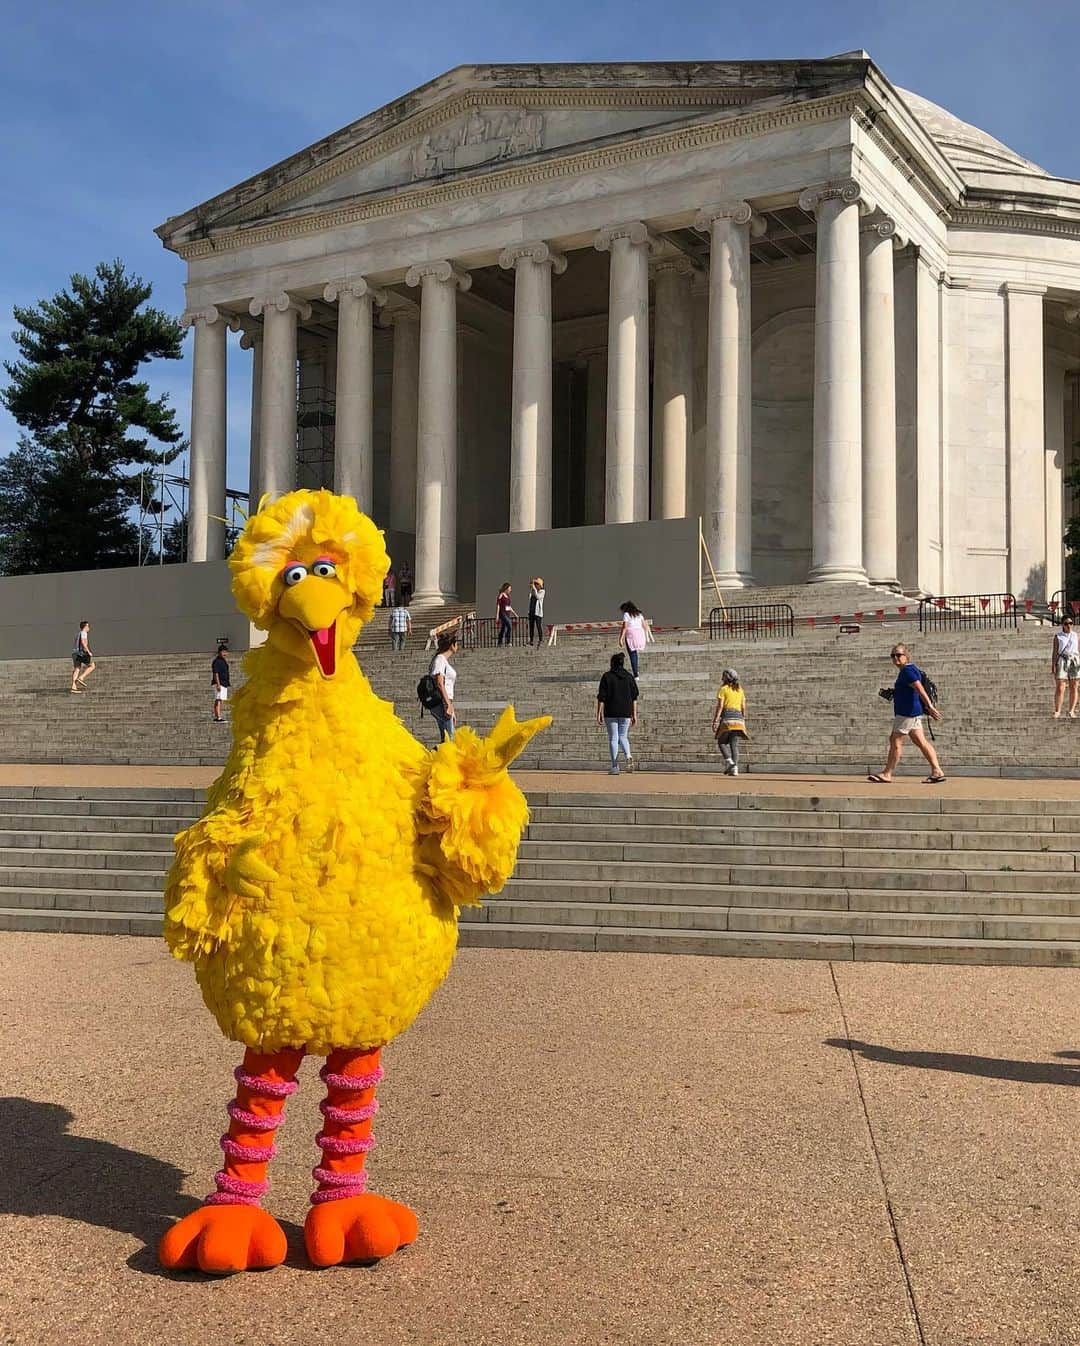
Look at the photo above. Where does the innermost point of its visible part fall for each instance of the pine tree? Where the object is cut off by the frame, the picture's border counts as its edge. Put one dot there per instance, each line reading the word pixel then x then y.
pixel 66 491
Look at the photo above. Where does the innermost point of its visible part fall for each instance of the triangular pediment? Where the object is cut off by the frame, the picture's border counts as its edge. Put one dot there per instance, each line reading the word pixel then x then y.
pixel 477 119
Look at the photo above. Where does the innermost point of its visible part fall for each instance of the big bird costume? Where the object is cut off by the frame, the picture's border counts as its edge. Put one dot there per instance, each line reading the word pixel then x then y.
pixel 318 894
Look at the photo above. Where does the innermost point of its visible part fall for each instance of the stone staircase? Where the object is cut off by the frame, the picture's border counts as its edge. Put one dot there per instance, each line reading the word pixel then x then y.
pixel 813 703
pixel 808 600
pixel 929 879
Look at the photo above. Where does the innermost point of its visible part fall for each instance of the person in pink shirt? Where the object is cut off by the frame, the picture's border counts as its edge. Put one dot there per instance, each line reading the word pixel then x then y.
pixel 634 635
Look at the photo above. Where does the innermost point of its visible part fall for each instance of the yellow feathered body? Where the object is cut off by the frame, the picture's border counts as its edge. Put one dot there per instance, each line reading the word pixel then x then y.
pixel 317 896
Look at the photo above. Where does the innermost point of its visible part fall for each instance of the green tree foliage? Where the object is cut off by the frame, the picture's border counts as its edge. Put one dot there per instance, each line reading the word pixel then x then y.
pixel 67 490
pixel 1072 533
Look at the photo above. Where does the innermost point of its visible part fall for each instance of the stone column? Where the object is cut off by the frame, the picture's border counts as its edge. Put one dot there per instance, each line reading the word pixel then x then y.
pixel 673 386
pixel 594 365
pixel 436 438
pixel 727 511
pixel 1054 460
pixel 1024 436
pixel 354 435
pixel 627 486
pixel 252 341
pixel 879 401
pixel 206 493
pixel 530 415
pixel 837 539
pixel 404 318
pixel 277 429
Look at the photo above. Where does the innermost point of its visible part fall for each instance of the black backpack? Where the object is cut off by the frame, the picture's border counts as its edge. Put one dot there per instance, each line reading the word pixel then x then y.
pixel 428 694
pixel 930 687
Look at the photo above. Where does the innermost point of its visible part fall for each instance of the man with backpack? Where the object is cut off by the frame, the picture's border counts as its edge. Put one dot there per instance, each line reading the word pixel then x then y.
pixel 911 698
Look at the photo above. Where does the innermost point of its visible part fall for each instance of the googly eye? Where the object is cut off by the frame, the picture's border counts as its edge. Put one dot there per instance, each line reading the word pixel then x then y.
pixel 293 575
pixel 324 569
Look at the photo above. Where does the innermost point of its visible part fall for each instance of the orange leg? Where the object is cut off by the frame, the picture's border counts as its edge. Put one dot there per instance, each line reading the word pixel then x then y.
pixel 346 1223
pixel 230 1231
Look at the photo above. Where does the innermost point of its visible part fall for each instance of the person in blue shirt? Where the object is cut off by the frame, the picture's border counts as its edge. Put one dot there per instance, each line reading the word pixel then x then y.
pixel 910 702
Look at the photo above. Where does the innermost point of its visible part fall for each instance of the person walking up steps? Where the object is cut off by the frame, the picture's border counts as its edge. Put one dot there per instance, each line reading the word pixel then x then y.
pixel 729 720
pixel 909 701
pixel 82 660
pixel 634 634
pixel 616 707
pixel 219 680
pixel 1065 667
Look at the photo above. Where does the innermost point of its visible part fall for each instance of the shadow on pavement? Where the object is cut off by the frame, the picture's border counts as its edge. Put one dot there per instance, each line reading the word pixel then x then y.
pixel 988 1067
pixel 48 1171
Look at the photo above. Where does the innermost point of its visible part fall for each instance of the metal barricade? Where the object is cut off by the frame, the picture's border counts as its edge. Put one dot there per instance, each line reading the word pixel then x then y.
pixel 482 633
pixel 1060 604
pixel 753 621
pixel 956 612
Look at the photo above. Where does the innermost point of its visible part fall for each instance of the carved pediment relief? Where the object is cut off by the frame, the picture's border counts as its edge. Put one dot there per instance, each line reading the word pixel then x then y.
pixel 469 137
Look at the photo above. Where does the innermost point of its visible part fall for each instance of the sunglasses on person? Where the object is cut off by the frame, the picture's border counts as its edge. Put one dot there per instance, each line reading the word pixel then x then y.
pixel 897 654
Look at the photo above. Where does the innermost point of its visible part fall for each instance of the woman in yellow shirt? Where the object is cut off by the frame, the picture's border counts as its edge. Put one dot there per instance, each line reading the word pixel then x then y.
pixel 729 720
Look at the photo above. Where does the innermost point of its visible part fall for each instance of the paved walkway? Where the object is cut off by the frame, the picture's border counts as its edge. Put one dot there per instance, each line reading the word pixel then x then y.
pixel 599 782
pixel 603 1149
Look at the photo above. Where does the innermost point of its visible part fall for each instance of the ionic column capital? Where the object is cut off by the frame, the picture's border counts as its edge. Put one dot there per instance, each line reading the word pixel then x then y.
pixel 444 271
pixel 359 287
pixel 677 263
pixel 538 252
pixel 738 212
pixel 282 301
pixel 849 191
pixel 208 316
pixel 634 230
pixel 884 226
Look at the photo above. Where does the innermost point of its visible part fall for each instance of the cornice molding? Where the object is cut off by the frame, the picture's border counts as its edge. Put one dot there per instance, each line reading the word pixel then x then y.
pixel 443 271
pixel 539 252
pixel 700 135
pixel 282 301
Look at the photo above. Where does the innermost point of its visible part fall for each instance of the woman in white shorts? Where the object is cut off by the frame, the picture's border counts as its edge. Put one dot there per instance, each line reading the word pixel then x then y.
pixel 1065 666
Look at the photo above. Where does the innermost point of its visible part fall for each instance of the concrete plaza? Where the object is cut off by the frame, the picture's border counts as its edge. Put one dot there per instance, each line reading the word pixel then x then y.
pixel 601 1149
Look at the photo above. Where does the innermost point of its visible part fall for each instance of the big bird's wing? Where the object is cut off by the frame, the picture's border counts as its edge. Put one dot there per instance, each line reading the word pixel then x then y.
pixel 472 813
pixel 217 867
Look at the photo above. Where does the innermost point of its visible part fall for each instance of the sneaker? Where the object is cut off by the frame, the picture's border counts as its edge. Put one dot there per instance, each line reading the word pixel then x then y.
pixel 729 770
pixel 1073 714
pixel 1057 714
pixel 613 771
pixel 734 770
pixel 629 764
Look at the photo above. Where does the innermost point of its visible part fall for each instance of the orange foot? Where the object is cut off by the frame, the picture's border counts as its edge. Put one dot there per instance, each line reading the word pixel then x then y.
pixel 223 1239
pixel 357 1229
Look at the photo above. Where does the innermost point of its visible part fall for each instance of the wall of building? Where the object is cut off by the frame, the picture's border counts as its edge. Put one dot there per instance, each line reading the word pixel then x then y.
pixel 588 572
pixel 175 609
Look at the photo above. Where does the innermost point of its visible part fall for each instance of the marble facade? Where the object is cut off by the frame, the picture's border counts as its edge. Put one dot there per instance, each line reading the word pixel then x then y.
pixel 824 315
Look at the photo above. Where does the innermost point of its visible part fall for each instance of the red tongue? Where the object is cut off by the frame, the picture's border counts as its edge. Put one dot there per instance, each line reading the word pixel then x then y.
pixel 325 649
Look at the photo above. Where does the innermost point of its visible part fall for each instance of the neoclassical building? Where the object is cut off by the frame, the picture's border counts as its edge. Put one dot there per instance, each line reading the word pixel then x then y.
pixel 814 309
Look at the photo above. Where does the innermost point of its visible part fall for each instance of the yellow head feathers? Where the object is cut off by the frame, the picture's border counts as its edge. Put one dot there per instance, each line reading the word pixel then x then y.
pixel 302 527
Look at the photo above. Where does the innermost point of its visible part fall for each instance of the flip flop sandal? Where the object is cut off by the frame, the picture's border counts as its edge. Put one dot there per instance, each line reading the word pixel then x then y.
pixel 879 780
pixel 935 780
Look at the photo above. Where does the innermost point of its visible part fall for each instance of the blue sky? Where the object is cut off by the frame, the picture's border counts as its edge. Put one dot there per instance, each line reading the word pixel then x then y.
pixel 120 113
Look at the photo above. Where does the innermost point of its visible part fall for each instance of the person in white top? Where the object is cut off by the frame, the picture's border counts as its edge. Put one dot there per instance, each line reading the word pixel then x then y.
pixel 634 633
pixel 1065 666
pixel 445 675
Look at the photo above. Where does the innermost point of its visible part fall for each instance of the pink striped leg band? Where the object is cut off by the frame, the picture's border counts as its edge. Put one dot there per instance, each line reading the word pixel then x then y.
pixel 350 1083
